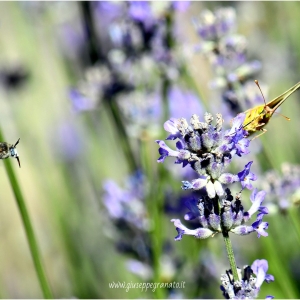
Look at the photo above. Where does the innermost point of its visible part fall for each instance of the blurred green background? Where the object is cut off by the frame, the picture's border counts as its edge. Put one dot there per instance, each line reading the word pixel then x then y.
pixel 64 195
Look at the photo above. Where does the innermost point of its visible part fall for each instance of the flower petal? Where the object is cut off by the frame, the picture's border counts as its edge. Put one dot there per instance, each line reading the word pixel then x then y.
pixel 165 151
pixel 200 233
pixel 256 202
pixel 218 188
pixel 210 188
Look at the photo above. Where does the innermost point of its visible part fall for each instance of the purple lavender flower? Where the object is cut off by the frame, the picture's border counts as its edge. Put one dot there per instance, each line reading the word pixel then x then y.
pixel 140 12
pixel 246 176
pixel 172 127
pixel 206 149
pixel 183 103
pixel 129 215
pixel 72 39
pixel 257 198
pixel 282 187
pixel 232 217
pixel 248 286
pixel 127 204
pixel 145 110
pixel 68 141
pixel 200 233
pixel 257 226
pixel 109 10
pixel 141 269
pixel 211 26
pixel 181 5
pixel 79 101
pixel 226 51
pixel 260 268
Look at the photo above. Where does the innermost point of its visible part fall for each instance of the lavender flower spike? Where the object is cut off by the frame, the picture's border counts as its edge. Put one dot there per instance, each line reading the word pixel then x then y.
pixel 207 149
pixel 248 286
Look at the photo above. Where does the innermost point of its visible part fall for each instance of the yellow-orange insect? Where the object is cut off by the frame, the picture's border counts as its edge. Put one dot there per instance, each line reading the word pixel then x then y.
pixel 259 116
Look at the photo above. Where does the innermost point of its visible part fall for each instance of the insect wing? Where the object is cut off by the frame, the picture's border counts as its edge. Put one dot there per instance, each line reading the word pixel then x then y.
pixel 275 103
pixel 252 116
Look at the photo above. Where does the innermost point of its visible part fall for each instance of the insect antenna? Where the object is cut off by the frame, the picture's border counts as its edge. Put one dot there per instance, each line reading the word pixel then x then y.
pixel 256 82
pixel 16 143
pixel 17 157
pixel 266 106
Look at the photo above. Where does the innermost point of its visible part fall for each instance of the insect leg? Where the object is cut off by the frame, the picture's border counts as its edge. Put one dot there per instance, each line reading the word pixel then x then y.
pixel 263 132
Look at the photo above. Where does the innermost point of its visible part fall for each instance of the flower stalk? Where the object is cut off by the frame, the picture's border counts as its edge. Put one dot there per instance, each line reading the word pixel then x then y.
pixel 230 254
pixel 33 246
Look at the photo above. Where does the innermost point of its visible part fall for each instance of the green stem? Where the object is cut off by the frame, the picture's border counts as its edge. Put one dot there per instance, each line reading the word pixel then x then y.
pixel 230 255
pixel 278 266
pixel 294 219
pixel 122 134
pixel 164 92
pixel 28 228
pixel 154 200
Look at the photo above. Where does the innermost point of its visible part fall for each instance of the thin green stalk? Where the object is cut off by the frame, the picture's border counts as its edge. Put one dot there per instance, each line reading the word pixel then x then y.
pixel 270 243
pixel 165 101
pixel 156 195
pixel 28 227
pixel 122 134
pixel 155 199
pixel 154 203
pixel 293 215
pixel 170 43
pixel 230 254
pixel 279 267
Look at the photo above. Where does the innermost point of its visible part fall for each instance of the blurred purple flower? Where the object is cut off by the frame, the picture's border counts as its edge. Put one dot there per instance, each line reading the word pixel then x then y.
pixel 181 6
pixel 183 103
pixel 69 142
pixel 282 187
pixel 211 26
pixel 109 10
pixel 141 269
pixel 79 101
pixel 72 40
pixel 140 11
pixel 127 204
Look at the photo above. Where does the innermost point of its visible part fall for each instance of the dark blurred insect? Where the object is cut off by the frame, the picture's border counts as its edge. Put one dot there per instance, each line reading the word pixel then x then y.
pixel 14 77
pixel 7 150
